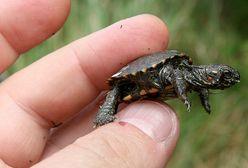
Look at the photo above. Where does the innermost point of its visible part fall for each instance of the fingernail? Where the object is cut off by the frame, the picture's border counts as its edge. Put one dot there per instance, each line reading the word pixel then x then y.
pixel 154 119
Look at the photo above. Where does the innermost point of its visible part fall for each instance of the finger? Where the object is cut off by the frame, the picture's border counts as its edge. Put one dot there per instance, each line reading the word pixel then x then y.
pixel 145 137
pixel 79 126
pixel 59 85
pixel 70 78
pixel 24 24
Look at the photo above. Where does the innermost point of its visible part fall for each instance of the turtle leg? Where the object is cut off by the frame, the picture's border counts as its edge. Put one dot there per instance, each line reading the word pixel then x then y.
pixel 179 84
pixel 204 96
pixel 107 111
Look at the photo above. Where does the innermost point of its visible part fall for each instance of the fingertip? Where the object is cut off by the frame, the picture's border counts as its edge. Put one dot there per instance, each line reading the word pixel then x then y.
pixel 147 27
pixel 118 44
pixel 31 22
pixel 156 120
pixel 157 25
pixel 28 24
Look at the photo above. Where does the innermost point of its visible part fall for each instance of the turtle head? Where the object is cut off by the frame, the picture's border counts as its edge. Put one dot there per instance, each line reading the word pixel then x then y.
pixel 220 76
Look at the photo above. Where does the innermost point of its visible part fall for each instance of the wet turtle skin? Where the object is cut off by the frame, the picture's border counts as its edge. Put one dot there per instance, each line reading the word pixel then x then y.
pixel 164 75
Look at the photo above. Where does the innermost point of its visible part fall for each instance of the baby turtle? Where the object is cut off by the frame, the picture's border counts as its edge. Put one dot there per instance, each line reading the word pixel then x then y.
pixel 164 75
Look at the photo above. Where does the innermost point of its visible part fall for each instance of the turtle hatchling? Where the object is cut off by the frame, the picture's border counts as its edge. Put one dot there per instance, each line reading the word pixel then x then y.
pixel 164 75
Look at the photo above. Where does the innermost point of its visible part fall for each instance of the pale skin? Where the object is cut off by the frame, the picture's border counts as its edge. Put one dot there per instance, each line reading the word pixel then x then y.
pixel 56 87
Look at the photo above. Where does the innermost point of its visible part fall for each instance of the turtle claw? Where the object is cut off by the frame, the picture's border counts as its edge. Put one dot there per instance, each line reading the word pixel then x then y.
pixel 187 103
pixel 207 108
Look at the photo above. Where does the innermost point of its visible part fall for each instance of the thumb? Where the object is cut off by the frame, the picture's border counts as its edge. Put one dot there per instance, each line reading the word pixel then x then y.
pixel 144 136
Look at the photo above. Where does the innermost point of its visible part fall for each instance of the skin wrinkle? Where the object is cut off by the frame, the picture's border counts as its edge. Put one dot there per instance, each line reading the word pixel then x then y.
pixel 50 142
pixel 91 79
pixel 136 134
pixel 101 60
pixel 45 123
pixel 88 114
pixel 116 153
pixel 12 47
pixel 95 153
pixel 140 141
pixel 82 69
pixel 41 121
pixel 81 62
pixel 13 33
pixel 76 69
pixel 8 53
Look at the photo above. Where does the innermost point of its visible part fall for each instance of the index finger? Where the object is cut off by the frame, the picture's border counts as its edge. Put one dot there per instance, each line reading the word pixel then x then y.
pixel 59 85
pixel 73 76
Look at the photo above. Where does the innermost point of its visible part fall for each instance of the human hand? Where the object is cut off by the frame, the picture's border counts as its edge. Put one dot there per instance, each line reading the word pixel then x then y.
pixel 55 88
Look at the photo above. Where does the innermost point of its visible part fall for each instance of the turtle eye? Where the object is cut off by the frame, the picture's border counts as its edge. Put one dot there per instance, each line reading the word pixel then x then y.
pixel 226 74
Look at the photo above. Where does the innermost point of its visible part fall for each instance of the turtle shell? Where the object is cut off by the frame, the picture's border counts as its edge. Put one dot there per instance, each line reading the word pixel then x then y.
pixel 148 62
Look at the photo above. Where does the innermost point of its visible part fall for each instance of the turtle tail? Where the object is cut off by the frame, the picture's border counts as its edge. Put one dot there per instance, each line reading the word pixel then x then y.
pixel 107 111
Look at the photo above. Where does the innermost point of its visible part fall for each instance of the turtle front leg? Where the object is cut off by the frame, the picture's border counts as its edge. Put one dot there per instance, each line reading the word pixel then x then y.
pixel 179 84
pixel 107 111
pixel 204 96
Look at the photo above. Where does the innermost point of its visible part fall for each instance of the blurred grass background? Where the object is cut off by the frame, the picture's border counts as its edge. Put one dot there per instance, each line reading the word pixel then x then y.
pixel 211 31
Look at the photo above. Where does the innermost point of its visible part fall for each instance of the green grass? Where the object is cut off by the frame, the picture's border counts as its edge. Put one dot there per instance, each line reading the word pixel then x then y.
pixel 203 30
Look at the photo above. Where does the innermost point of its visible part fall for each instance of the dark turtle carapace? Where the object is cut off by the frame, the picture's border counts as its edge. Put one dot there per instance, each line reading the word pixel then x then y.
pixel 164 75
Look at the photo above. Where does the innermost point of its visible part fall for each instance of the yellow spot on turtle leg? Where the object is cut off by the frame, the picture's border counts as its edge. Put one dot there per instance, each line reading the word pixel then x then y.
pixel 125 76
pixel 190 61
pixel 142 92
pixel 144 70
pixel 134 73
pixel 153 90
pixel 181 54
pixel 127 98
pixel 154 65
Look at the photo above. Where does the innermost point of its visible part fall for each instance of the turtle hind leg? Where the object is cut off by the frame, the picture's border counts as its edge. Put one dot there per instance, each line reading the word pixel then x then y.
pixel 107 111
